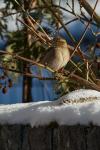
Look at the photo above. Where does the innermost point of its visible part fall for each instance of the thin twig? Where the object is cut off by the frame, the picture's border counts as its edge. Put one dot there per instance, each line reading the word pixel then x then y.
pixel 27 74
pixel 26 59
pixel 82 81
pixel 42 40
pixel 31 19
pixel 89 9
pixel 60 21
pixel 84 33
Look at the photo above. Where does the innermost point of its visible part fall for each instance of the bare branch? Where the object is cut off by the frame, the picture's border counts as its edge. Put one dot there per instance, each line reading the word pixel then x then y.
pixel 89 9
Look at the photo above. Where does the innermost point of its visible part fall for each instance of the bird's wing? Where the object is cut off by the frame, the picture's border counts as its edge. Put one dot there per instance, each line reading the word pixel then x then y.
pixel 53 59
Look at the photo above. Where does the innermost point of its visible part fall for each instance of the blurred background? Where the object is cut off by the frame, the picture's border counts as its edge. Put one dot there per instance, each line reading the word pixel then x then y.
pixel 41 90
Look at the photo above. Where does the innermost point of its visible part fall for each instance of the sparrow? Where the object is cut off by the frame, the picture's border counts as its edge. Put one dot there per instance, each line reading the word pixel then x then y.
pixel 58 55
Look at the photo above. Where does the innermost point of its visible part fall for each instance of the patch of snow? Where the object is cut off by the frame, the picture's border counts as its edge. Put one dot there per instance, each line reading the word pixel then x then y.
pixel 81 93
pixel 44 112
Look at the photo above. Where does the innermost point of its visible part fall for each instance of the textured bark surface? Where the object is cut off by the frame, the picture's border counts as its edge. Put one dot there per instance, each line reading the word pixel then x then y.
pixel 52 137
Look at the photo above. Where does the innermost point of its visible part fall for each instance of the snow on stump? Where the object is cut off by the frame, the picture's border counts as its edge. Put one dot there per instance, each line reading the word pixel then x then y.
pixel 69 123
pixel 81 96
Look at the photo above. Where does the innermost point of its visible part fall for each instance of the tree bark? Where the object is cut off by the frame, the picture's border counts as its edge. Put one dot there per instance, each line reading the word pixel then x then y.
pixel 27 81
pixel 52 137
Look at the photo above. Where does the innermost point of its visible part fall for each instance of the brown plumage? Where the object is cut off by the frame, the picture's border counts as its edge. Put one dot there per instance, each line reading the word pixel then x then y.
pixel 57 56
